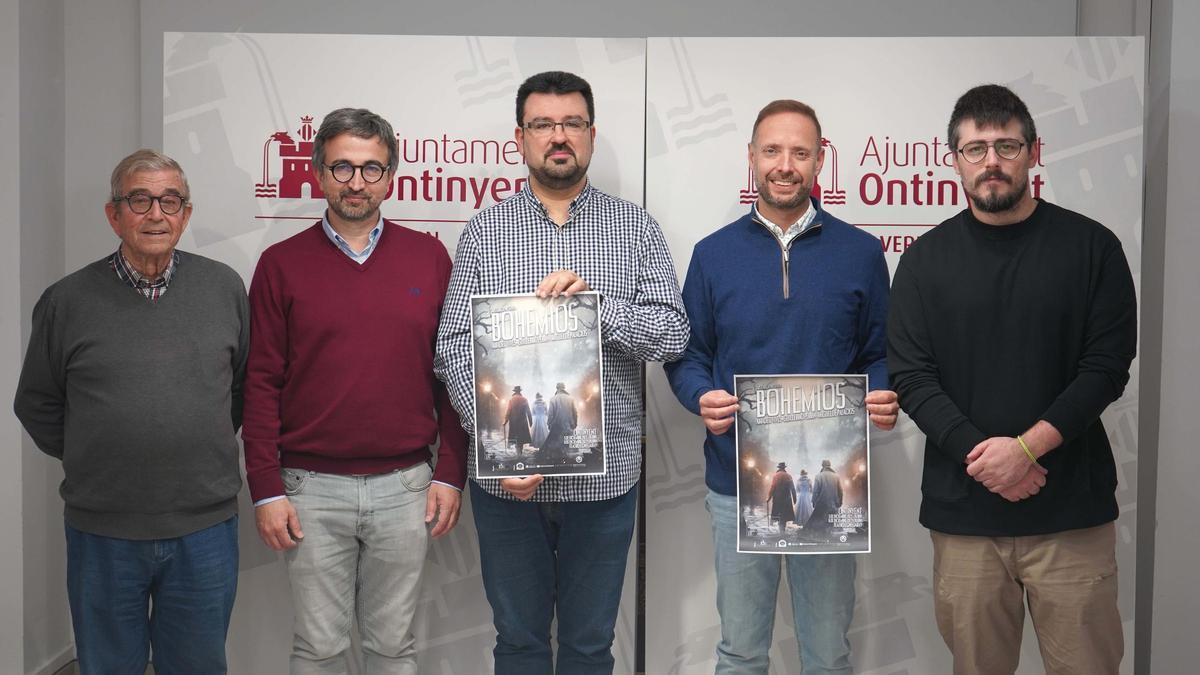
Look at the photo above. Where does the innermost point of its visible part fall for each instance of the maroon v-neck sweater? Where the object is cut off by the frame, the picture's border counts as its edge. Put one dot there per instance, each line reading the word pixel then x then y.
pixel 340 374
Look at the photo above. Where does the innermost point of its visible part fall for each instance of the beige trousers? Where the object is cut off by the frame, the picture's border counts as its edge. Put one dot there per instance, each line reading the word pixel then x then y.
pixel 1070 579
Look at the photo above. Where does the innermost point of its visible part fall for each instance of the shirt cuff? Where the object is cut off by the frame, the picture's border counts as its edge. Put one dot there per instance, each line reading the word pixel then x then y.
pixel 268 500
pixel 441 483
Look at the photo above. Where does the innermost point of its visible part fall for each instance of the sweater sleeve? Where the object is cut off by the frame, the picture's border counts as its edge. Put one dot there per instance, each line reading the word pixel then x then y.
pixel 41 399
pixel 451 467
pixel 653 326
pixel 872 326
pixel 265 369
pixel 914 370
pixel 452 361
pixel 239 358
pixel 691 376
pixel 1109 345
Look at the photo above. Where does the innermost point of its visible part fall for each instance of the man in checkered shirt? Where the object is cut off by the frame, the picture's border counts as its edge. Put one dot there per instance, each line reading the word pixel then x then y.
pixel 560 544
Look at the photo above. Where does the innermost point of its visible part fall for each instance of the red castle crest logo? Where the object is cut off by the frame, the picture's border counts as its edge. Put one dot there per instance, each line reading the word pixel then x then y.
pixel 296 160
pixel 835 195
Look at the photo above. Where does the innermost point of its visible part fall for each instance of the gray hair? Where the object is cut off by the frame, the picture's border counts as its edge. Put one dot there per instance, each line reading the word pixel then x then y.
pixel 360 123
pixel 146 160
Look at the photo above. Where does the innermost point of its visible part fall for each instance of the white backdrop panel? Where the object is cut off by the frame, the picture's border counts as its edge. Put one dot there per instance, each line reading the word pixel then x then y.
pixel 233 115
pixel 883 105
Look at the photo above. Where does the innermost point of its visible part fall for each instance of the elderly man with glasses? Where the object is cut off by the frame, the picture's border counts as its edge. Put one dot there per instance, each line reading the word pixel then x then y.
pixel 133 379
pixel 1012 327
pixel 342 409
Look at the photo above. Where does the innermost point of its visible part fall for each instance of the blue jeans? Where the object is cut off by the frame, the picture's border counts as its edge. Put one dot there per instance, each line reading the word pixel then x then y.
pixel 172 596
pixel 538 557
pixel 362 557
pixel 822 589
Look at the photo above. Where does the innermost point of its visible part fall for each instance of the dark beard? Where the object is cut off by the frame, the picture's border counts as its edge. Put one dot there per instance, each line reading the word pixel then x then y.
pixel 997 203
pixel 558 180
pixel 559 176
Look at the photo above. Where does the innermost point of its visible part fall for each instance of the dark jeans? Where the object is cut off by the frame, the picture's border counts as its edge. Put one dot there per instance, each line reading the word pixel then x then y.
pixel 539 557
pixel 170 595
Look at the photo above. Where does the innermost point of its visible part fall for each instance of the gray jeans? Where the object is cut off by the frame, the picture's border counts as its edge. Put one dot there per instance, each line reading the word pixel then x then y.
pixel 362 556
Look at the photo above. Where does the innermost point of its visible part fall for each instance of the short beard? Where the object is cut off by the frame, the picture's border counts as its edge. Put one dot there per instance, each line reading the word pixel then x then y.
pixel 998 203
pixel 559 176
pixel 368 209
pixel 559 181
pixel 764 193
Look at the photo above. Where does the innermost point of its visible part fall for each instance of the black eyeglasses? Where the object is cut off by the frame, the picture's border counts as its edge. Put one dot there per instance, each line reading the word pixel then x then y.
pixel 343 172
pixel 573 127
pixel 1006 148
pixel 140 203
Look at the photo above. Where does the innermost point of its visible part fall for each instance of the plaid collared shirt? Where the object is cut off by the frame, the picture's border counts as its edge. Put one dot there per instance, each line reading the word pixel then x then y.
pixel 619 250
pixel 151 289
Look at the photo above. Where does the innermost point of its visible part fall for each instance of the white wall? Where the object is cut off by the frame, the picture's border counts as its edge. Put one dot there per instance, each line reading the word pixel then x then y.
pixel 47 640
pixel 102 97
pixel 1176 594
pixel 11 560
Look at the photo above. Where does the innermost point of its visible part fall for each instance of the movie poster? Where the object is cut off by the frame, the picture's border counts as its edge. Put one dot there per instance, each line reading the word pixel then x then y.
pixel 802 451
pixel 538 406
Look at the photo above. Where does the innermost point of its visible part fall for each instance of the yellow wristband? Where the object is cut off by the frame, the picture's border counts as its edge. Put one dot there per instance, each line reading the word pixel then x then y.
pixel 1025 447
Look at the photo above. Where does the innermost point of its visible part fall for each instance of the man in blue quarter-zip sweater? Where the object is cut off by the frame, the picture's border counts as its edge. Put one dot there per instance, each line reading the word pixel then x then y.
pixel 787 288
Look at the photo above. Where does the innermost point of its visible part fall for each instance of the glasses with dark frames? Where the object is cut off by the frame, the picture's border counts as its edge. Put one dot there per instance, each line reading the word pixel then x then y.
pixel 572 127
pixel 1006 148
pixel 141 202
pixel 343 172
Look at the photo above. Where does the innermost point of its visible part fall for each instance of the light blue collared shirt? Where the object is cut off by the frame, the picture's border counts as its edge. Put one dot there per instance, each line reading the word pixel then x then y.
pixel 372 240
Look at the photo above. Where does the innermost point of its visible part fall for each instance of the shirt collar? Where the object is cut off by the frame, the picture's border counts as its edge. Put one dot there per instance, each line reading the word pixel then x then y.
pixel 807 222
pixel 372 238
pixel 126 272
pixel 581 200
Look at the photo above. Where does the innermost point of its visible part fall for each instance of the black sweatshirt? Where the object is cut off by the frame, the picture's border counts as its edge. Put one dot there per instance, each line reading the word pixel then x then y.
pixel 994 328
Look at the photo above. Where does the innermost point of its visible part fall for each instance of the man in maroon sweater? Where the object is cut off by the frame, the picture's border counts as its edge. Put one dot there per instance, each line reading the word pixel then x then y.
pixel 342 407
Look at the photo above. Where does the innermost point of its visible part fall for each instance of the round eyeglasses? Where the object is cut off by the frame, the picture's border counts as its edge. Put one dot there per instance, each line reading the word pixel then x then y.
pixel 1006 148
pixel 343 172
pixel 140 203
pixel 573 127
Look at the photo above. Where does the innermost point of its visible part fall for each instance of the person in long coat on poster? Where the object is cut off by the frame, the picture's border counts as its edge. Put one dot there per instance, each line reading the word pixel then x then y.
pixel 782 497
pixel 562 418
pixel 803 498
pixel 826 499
pixel 540 430
pixel 518 419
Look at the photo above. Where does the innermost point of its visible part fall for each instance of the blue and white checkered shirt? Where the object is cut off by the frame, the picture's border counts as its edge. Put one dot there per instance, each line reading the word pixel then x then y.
pixel 619 250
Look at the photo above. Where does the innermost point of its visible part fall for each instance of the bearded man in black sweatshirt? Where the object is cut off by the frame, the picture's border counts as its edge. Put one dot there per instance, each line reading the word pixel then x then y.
pixel 1012 327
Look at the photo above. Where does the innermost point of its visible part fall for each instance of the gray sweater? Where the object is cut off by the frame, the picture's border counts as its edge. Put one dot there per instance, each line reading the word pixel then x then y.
pixel 140 400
